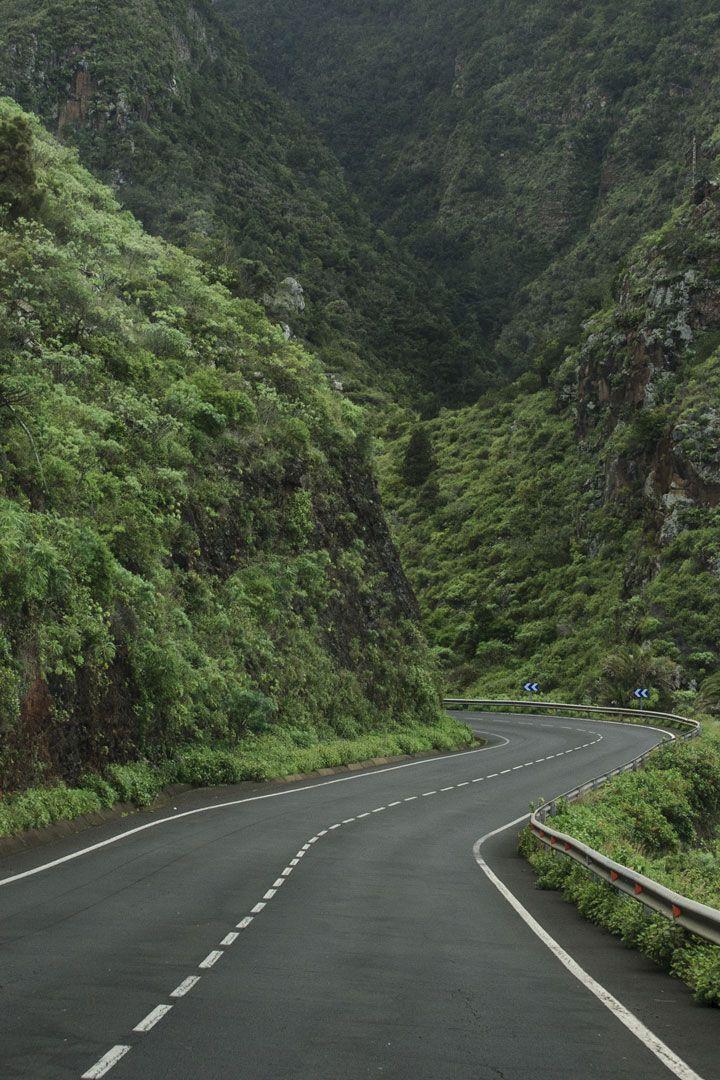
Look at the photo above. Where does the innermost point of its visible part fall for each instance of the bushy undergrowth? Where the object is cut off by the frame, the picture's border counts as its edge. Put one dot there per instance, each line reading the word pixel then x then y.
pixel 663 822
pixel 262 757
pixel 192 548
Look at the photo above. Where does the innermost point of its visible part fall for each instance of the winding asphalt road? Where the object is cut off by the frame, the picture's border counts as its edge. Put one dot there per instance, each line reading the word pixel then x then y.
pixel 336 928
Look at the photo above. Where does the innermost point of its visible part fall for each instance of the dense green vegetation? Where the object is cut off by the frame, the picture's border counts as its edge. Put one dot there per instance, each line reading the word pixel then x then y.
pixel 519 146
pixel 192 551
pixel 193 548
pixel 162 102
pixel 256 757
pixel 570 533
pixel 664 822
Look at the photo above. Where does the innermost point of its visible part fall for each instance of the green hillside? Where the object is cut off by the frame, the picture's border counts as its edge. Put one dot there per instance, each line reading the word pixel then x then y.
pixel 519 147
pixel 192 550
pixel 163 104
pixel 572 533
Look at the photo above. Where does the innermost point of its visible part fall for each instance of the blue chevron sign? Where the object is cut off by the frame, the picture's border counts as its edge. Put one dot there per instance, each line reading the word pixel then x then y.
pixel 531 687
pixel 641 694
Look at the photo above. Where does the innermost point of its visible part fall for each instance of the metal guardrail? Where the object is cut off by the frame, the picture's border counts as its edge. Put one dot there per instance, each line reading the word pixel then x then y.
pixel 700 919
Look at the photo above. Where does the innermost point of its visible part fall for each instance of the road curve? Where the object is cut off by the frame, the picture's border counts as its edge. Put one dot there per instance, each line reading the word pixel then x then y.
pixel 338 928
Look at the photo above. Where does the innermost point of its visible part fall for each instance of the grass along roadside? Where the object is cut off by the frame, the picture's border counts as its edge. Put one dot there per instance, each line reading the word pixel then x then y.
pixel 261 757
pixel 662 821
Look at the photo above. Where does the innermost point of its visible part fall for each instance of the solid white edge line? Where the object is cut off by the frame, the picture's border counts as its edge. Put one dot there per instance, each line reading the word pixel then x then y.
pixel 238 802
pixel 635 1026
pixel 152 1018
pixel 185 986
pixel 105 1063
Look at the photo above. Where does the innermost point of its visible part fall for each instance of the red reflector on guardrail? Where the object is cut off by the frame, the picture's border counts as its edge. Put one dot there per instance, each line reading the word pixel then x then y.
pixel 676 911
pixel 614 875
pixel 638 889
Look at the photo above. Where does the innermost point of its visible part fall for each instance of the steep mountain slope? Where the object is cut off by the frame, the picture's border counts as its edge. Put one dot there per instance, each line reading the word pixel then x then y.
pixel 572 534
pixel 192 547
pixel 162 102
pixel 519 146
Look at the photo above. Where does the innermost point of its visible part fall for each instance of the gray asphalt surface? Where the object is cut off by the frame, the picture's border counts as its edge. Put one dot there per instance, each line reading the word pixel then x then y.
pixel 385 952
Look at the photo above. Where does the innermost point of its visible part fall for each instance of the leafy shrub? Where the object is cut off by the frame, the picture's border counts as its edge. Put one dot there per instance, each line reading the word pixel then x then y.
pixel 137 783
pixel 665 822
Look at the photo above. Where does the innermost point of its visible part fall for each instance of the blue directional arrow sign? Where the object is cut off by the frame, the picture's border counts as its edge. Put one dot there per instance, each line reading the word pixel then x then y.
pixel 642 694
pixel 532 688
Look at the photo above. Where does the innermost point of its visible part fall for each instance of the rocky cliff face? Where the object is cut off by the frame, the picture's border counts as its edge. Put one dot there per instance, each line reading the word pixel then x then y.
pixel 646 392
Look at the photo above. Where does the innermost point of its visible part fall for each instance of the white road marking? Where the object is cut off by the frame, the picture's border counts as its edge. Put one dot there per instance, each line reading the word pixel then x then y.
pixel 347 820
pixel 153 1017
pixel 269 894
pixel 378 809
pixel 661 1051
pixel 396 803
pixel 238 802
pixel 518 767
pixel 491 776
pixel 278 882
pixel 114 1055
pixel 503 771
pixel 105 1063
pixel 426 793
pixel 185 986
pixel 478 779
pixel 212 957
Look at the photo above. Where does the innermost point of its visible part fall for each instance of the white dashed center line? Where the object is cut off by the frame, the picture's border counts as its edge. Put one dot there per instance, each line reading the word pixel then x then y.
pixel 152 1018
pixel 103 1066
pixel 185 986
pixel 213 957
